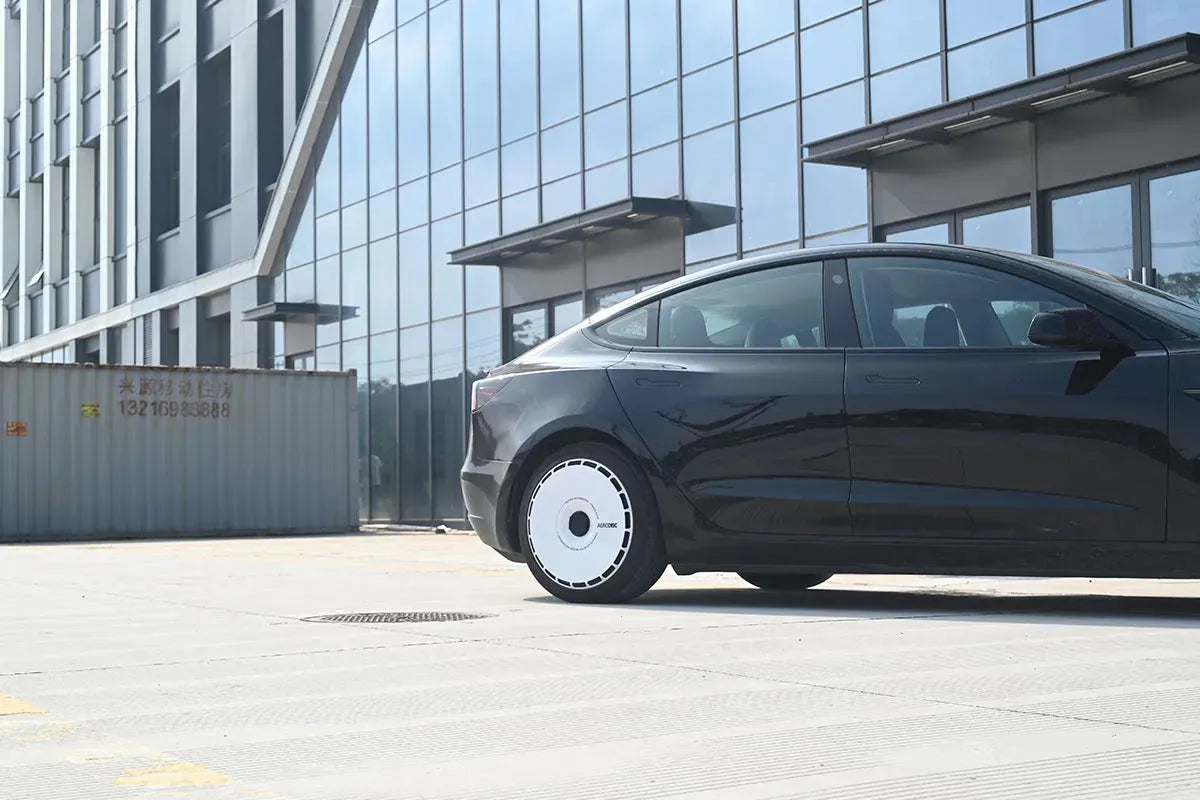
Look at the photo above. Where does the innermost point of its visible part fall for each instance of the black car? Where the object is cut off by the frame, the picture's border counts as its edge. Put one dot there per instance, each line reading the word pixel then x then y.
pixel 864 409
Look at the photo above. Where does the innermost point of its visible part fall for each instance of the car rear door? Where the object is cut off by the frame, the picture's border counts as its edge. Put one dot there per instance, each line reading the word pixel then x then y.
pixel 741 402
pixel 958 426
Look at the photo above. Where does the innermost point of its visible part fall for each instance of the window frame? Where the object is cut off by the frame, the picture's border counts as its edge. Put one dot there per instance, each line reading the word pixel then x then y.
pixel 547 307
pixel 955 219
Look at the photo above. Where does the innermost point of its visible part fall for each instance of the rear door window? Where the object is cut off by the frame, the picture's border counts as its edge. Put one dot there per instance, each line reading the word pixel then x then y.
pixel 775 308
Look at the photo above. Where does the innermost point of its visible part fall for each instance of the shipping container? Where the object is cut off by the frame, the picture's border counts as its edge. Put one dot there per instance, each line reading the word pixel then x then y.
pixel 91 452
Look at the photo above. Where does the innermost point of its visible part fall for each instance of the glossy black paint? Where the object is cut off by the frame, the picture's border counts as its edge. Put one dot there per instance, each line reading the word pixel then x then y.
pixel 1006 461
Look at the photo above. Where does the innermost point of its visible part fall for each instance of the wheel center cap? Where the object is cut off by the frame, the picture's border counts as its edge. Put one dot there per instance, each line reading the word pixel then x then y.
pixel 579 524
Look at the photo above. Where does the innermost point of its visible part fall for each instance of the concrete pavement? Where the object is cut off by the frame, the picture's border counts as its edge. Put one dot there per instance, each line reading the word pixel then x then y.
pixel 185 669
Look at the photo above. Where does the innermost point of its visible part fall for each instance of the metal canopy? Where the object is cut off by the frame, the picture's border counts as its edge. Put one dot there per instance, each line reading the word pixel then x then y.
pixel 628 213
pixel 1123 73
pixel 299 312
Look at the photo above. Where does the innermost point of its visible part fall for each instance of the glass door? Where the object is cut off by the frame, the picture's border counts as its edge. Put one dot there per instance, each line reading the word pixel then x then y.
pixel 1096 229
pixel 1174 218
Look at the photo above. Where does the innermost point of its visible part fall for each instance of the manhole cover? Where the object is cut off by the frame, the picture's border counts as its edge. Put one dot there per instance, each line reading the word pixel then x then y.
pixel 387 617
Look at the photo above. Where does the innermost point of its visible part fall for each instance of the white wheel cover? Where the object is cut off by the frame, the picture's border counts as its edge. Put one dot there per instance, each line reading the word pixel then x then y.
pixel 587 496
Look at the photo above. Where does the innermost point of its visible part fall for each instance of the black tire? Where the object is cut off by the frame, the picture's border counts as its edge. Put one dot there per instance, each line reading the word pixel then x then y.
pixel 783 581
pixel 644 555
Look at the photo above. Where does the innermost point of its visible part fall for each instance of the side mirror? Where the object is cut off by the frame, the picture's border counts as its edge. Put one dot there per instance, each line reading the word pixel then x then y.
pixel 1071 328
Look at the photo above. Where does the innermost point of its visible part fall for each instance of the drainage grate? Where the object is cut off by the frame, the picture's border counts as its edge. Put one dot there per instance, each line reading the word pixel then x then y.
pixel 388 617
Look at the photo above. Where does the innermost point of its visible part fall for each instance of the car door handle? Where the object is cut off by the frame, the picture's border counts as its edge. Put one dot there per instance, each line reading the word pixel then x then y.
pixel 893 379
pixel 653 383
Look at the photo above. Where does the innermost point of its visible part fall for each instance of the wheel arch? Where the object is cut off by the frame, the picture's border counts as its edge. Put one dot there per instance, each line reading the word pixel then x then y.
pixel 551 442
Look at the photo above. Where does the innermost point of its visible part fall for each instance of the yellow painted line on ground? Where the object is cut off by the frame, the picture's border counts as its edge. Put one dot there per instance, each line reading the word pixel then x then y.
pixel 11 706
pixel 172 776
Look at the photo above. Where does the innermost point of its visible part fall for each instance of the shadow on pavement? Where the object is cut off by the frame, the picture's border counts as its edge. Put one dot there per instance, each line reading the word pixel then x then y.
pixel 1077 609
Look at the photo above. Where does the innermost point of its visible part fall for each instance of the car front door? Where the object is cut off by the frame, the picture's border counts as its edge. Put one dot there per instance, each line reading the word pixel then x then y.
pixel 958 426
pixel 741 402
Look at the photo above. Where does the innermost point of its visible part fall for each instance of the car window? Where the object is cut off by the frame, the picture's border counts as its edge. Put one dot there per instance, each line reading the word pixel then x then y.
pixel 923 302
pixel 630 328
pixel 776 308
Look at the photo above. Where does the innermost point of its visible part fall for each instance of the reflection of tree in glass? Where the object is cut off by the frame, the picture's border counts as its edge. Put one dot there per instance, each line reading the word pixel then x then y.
pixel 527 333
pixel 1016 317
pixel 1182 284
pixel 1185 284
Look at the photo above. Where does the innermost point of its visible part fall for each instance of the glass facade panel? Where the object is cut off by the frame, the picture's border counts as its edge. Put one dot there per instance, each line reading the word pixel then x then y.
pixel 843 193
pixel 355 293
pixel 481 83
pixel 354 136
pixel 562 198
pixel 603 52
pixel 483 344
pixel 482 179
pixel 413 95
pixel 300 286
pixel 445 85
pixel 968 20
pixel 656 172
pixel 1175 233
pixel 709 177
pixel 656 117
pixel 708 98
pixel 1095 229
pixel 903 31
pixel 653 46
pixel 482 223
pixel 384 311
pixel 326 185
pixel 559 34
pixel 760 21
pixel 831 53
pixel 483 289
pixel 382 215
pixel 382 113
pixel 448 418
pixel 707 32
pixel 606 135
pixel 767 77
pixel 416 501
pixel 518 69
pixel 384 457
pixel 413 248
pixel 329 293
pixel 1002 230
pixel 1091 32
pixel 355 354
pixel 519 211
pixel 1042 8
pixel 1158 19
pixel 328 235
pixel 518 165
pixel 988 64
pixel 445 192
pixel 770 180
pixel 607 184
pixel 560 151
pixel 834 112
pixel 814 11
pixel 906 89
pixel 413 204
pixel 851 236
pixel 929 234
pixel 446 279
pixel 354 225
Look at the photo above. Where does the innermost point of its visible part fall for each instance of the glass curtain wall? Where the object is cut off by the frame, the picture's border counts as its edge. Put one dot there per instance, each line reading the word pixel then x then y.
pixel 465 119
